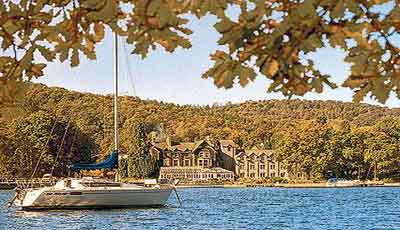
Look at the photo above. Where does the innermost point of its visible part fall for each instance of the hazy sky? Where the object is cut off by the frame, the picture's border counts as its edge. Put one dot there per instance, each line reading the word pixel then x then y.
pixel 177 77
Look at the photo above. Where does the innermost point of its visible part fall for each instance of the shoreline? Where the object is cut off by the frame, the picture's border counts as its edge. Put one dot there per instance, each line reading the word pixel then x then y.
pixel 300 185
pixel 10 186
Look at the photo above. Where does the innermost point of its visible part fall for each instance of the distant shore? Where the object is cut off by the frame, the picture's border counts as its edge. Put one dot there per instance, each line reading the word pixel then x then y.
pixel 11 185
pixel 299 185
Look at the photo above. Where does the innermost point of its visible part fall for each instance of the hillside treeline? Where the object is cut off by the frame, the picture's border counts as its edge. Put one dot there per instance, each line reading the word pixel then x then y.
pixel 60 127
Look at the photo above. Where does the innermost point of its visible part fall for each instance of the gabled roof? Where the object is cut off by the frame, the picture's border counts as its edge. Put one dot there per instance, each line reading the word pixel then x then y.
pixel 227 143
pixel 255 152
pixel 199 143
pixel 160 145
pixel 183 146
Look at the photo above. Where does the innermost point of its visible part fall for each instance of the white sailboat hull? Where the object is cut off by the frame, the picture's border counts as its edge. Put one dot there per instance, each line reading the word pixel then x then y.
pixel 48 198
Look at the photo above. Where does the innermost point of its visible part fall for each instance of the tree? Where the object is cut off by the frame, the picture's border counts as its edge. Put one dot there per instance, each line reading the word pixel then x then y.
pixel 140 163
pixel 269 37
pixel 332 138
pixel 312 147
pixel 40 139
pixel 354 151
pixel 383 147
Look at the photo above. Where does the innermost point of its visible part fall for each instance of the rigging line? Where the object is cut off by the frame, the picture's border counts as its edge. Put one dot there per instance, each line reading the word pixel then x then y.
pixel 41 154
pixel 72 142
pixel 59 149
pixel 129 75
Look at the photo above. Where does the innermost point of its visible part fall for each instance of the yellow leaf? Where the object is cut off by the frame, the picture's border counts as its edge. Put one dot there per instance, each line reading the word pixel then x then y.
pixel 89 44
pixel 271 68
pixel 98 32
pixel 37 69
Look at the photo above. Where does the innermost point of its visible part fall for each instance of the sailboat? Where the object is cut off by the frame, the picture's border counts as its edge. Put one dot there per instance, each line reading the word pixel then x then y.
pixel 89 193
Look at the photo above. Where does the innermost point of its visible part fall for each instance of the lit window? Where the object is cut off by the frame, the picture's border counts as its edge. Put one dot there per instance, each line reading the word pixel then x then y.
pixel 166 162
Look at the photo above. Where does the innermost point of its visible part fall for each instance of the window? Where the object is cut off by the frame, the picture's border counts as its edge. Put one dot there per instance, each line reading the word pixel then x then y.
pixel 272 166
pixel 262 174
pixel 186 162
pixel 252 175
pixel 166 162
pixel 272 174
pixel 229 148
pixel 205 163
pixel 251 167
pixel 176 162
pixel 241 174
pixel 262 166
pixel 282 174
pixel 201 163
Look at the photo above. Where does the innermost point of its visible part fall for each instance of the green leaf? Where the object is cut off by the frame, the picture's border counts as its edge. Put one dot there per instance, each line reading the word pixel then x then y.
pixel 317 85
pixel 361 93
pixel 224 25
pixel 338 11
pixel 164 14
pixel 92 4
pixel 306 8
pixel 354 7
pixel 312 43
pixel 46 53
pixel 6 43
pixel 246 74
pixel 10 27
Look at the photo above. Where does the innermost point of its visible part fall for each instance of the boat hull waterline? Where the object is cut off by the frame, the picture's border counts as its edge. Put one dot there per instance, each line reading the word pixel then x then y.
pixel 46 198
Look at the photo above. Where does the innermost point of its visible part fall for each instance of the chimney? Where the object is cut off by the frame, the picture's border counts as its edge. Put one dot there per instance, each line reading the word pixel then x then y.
pixel 168 140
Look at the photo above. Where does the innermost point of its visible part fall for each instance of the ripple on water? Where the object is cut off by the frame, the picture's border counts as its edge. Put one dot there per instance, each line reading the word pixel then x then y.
pixel 247 208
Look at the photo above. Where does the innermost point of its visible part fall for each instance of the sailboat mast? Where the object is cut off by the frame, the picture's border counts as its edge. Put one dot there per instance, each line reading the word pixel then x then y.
pixel 116 93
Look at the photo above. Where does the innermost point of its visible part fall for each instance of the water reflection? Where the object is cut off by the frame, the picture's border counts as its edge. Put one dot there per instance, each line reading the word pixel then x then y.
pixel 250 208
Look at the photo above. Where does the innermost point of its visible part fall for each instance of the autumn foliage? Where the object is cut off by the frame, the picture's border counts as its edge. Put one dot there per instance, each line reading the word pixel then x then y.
pixel 315 137
pixel 270 38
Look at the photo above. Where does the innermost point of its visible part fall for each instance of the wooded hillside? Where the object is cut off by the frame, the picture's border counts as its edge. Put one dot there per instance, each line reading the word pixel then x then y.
pixel 26 128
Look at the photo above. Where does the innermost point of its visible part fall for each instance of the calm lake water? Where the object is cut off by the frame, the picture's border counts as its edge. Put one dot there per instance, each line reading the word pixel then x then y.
pixel 247 208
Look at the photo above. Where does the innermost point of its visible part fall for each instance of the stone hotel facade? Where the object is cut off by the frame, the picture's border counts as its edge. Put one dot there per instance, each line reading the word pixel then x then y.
pixel 258 164
pixel 214 160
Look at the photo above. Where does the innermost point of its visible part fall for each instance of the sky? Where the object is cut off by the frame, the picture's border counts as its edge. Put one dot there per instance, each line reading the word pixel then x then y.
pixel 177 78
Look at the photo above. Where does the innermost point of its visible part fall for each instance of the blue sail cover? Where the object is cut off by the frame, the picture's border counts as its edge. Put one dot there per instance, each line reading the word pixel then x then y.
pixel 110 163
